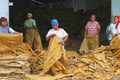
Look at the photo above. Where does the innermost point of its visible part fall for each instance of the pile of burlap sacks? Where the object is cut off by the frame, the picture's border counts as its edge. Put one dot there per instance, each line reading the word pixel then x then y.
pixel 14 57
pixel 102 63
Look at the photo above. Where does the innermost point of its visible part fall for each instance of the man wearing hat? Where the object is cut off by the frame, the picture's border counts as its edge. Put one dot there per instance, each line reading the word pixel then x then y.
pixel 32 36
pixel 4 27
pixel 56 61
pixel 59 32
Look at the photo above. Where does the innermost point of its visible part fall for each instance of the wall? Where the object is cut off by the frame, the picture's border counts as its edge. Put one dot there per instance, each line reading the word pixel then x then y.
pixel 4 8
pixel 76 4
pixel 79 4
pixel 115 7
pixel 92 4
pixel 83 4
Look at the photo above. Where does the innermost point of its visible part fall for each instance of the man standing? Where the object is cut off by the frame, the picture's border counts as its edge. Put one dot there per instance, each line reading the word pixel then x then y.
pixel 32 35
pixel 92 30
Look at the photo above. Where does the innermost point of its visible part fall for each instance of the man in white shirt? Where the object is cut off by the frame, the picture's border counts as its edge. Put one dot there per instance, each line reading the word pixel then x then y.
pixel 59 32
pixel 114 28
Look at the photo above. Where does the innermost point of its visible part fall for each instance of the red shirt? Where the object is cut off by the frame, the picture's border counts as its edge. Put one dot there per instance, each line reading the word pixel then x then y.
pixel 92 28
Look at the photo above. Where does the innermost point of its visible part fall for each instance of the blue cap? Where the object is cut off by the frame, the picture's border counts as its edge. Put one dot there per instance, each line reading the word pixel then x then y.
pixel 54 21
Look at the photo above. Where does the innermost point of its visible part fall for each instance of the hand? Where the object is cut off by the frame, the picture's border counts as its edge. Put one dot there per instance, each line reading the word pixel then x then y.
pixel 15 32
pixel 85 36
pixel 97 33
pixel 61 42
pixel 113 35
pixel 52 35
pixel 35 27
pixel 117 34
pixel 48 38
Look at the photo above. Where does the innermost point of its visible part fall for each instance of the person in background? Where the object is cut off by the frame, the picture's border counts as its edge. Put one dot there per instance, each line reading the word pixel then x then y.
pixel 107 34
pixel 114 28
pixel 56 61
pixel 32 36
pixel 4 27
pixel 92 30
pixel 56 31
pixel 92 26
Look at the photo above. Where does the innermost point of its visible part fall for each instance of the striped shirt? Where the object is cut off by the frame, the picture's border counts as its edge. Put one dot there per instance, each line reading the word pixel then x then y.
pixel 92 28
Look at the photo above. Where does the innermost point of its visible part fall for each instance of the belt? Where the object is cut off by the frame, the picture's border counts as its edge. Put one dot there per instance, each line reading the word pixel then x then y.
pixel 30 28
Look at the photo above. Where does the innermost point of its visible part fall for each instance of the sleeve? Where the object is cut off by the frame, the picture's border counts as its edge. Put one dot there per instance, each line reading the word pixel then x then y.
pixel 110 27
pixel 49 33
pixel 86 27
pixel 64 33
pixel 11 30
pixel 34 22
pixel 98 24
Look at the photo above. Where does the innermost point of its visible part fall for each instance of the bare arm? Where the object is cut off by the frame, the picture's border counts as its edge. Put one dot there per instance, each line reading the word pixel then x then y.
pixel 65 39
pixel 110 32
pixel 48 37
pixel 85 34
pixel 35 27
pixel 15 32
pixel 98 30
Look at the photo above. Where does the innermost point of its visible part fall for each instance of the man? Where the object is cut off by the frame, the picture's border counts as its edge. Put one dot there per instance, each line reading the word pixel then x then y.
pixel 32 36
pixel 92 26
pixel 92 30
pixel 57 31
pixel 4 27
pixel 114 28
pixel 55 59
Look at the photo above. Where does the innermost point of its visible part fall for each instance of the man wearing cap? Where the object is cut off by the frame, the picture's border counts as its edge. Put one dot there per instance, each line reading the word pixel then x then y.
pixel 56 61
pixel 4 27
pixel 32 36
pixel 61 33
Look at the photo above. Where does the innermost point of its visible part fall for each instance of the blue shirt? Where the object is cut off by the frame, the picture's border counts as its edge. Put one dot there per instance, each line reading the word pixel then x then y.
pixel 6 29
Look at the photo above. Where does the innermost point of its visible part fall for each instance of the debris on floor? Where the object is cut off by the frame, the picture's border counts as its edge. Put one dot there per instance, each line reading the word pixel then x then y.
pixel 102 63
pixel 22 63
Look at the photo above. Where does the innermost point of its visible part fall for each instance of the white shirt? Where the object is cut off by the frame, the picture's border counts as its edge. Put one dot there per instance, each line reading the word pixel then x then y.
pixel 113 30
pixel 11 30
pixel 61 33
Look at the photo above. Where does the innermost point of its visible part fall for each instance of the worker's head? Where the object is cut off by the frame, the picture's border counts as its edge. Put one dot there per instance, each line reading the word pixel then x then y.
pixel 55 24
pixel 116 19
pixel 3 21
pixel 93 17
pixel 29 15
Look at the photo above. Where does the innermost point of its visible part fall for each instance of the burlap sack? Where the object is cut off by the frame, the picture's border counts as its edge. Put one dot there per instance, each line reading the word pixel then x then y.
pixel 37 43
pixel 114 43
pixel 89 43
pixel 34 40
pixel 56 59
pixel 10 41
pixel 14 43
pixel 84 47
